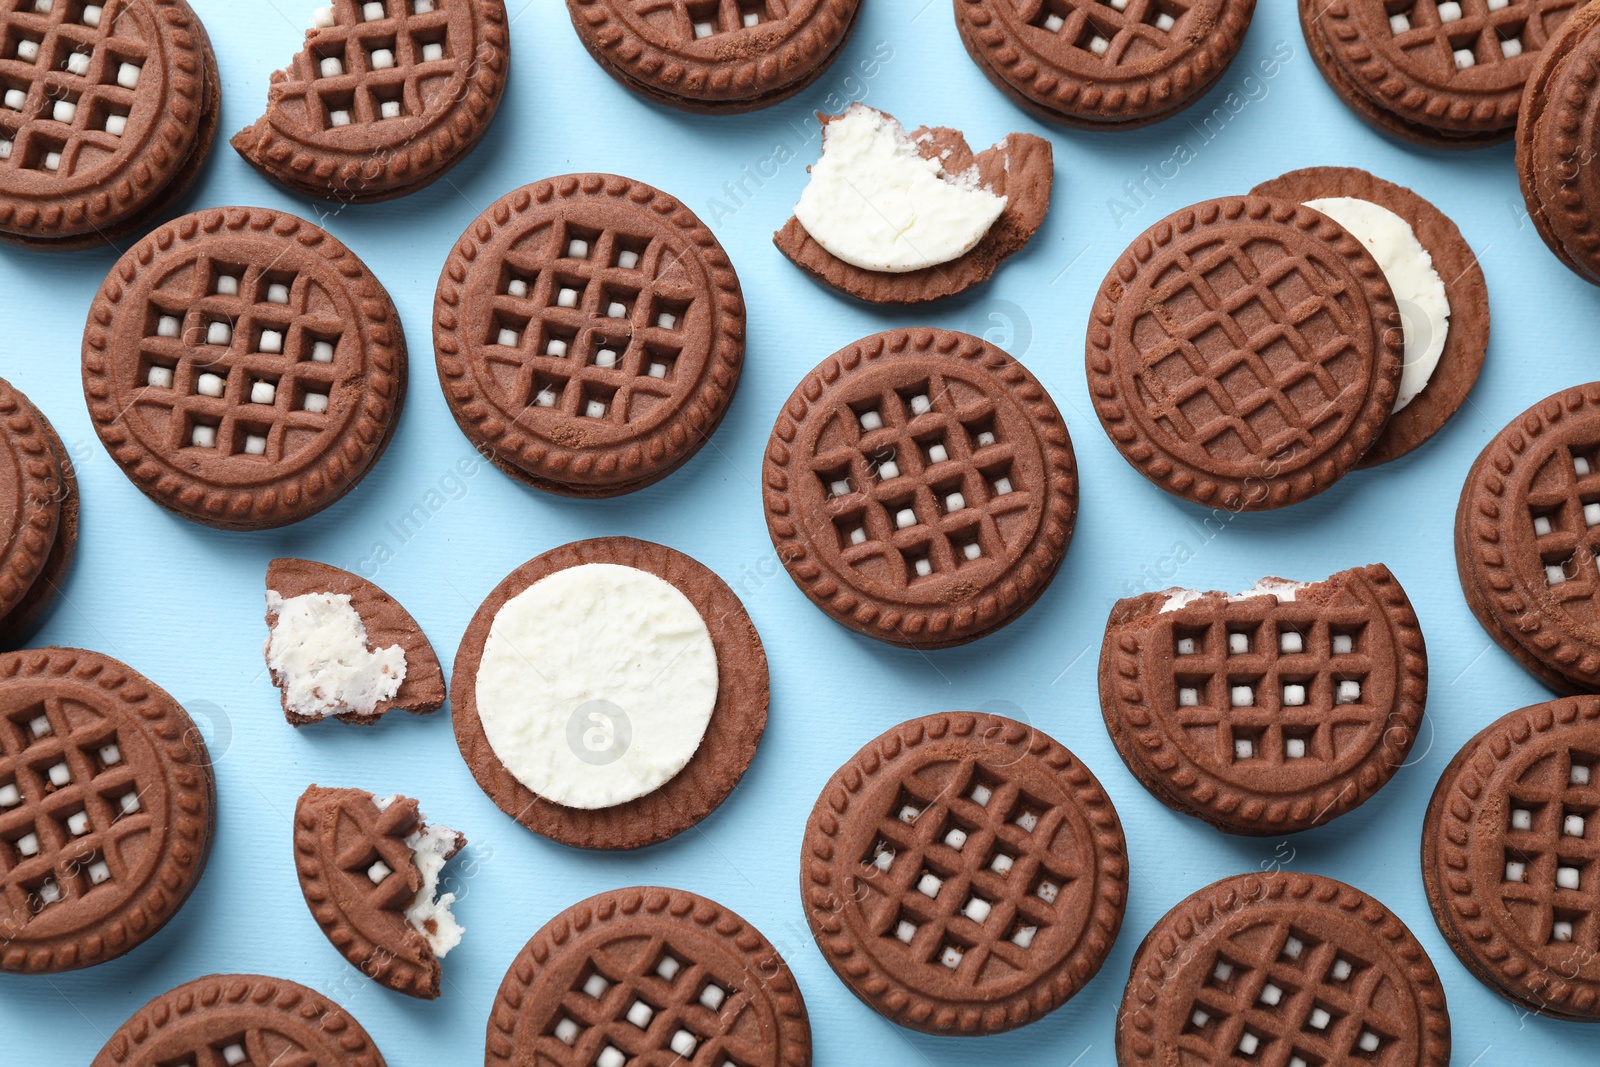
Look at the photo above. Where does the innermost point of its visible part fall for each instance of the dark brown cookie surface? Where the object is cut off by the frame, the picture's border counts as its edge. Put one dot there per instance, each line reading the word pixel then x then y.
pixel 648 975
pixel 1284 969
pixel 107 809
pixel 1244 352
pixel 964 874
pixel 243 367
pixel 39 509
pixel 589 333
pixel 384 100
pixel 1117 64
pixel 920 487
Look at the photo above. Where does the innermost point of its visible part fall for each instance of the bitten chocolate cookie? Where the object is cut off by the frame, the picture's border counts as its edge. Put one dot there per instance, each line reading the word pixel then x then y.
pixel 1508 850
pixel 384 98
pixel 921 488
pixel 39 498
pixel 609 694
pixel 589 332
pixel 897 218
pixel 1268 711
pixel 107 111
pixel 339 646
pixel 1103 64
pixel 107 809
pixel 1245 353
pixel 226 1019
pixel 647 975
pixel 1280 968
pixel 964 874
pixel 1437 73
pixel 243 367
pixel 369 869
pixel 714 56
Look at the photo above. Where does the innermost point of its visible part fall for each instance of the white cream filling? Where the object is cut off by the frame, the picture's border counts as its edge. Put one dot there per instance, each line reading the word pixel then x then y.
pixel 429 913
pixel 318 654
pixel 876 203
pixel 1284 591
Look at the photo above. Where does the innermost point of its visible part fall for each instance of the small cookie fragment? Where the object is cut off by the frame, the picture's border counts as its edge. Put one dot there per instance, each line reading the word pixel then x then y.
pixel 39 506
pixel 1558 139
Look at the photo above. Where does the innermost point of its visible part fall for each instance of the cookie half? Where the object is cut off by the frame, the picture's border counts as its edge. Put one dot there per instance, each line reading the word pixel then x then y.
pixel 385 97
pixel 107 112
pixel 716 56
pixel 648 975
pixel 589 333
pixel 1112 65
pixel 1282 968
pixel 39 497
pixel 964 874
pixel 107 809
pixel 610 694
pixel 243 368
pixel 1268 711
pixel 1245 353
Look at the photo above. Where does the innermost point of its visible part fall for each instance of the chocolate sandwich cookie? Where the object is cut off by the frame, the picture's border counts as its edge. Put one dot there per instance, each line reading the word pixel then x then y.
pixel 39 496
pixel 339 646
pixel 648 975
pixel 225 1019
pixel 385 97
pixel 1508 850
pixel 1436 73
pixel 1288 969
pixel 716 57
pixel 920 488
pixel 1268 711
pixel 1245 353
pixel 610 693
pixel 107 809
pixel 964 874
pixel 876 222
pixel 1558 140
pixel 1103 64
pixel 107 111
pixel 1438 287
pixel 369 869
pixel 589 332
pixel 243 367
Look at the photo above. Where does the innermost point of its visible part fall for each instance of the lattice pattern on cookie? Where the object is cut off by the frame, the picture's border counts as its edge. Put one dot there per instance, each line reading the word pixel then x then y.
pixel 372 61
pixel 696 20
pixel 246 1048
pixel 370 848
pixel 1120 32
pixel 1448 36
pixel 1551 883
pixel 1564 508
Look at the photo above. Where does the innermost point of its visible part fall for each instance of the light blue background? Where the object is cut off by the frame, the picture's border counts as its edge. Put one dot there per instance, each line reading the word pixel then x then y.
pixel 183 604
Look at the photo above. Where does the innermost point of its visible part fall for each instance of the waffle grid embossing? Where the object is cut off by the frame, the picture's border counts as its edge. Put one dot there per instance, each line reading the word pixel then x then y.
pixel 1119 32
pixel 1552 850
pixel 696 20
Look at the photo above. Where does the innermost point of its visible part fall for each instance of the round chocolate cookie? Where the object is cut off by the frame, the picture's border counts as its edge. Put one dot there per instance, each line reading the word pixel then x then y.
pixel 1103 64
pixel 714 56
pixel 921 488
pixel 243 367
pixel 589 332
pixel 39 496
pixel 1269 711
pixel 648 975
pixel 1244 353
pixel 107 111
pixel 1558 139
pixel 1467 341
pixel 385 97
pixel 1507 857
pixel 964 874
pixel 107 809
pixel 240 1019
pixel 651 687
pixel 1287 969
pixel 1437 73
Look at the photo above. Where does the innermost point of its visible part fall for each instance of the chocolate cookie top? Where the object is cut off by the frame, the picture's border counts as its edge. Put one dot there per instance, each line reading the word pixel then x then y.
pixel 243 367
pixel 1244 352
pixel 589 332
pixel 964 874
pixel 241 1019
pixel 31 494
pixel 921 488
pixel 385 97
pixel 721 56
pixel 1103 64
pixel 1286 969
pixel 107 809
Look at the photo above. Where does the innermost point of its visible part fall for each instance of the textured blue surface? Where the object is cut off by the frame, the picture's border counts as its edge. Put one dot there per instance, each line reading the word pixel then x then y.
pixel 184 604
